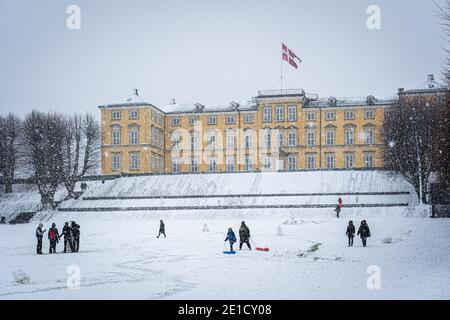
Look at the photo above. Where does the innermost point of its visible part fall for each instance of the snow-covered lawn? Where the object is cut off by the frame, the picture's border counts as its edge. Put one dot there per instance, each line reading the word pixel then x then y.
pixel 121 258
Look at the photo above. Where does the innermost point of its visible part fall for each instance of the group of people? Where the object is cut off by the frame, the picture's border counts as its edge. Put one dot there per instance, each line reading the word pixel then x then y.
pixel 244 237
pixel 70 234
pixel 363 232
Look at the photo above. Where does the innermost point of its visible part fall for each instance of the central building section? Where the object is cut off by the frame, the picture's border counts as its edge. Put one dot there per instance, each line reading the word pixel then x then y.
pixel 277 130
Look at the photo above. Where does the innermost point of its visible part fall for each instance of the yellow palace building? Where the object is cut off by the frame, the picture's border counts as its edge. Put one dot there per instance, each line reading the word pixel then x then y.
pixel 276 130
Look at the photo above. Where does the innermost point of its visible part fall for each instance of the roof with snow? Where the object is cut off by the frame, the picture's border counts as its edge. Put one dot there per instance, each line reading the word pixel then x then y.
pixel 175 108
pixel 428 87
pixel 134 100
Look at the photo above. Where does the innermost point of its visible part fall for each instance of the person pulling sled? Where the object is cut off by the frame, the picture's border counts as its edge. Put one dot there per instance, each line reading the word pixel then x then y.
pixel 244 236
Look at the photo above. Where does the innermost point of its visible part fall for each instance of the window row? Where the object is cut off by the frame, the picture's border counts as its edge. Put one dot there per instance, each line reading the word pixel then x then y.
pixel 156 136
pixel 134 162
pixel 268 162
pixel 133 114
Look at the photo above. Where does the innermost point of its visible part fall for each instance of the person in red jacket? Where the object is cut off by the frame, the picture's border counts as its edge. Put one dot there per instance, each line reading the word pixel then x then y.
pixel 340 203
pixel 53 236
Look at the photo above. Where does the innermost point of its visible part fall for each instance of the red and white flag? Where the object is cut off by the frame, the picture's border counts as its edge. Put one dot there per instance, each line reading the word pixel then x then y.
pixel 289 56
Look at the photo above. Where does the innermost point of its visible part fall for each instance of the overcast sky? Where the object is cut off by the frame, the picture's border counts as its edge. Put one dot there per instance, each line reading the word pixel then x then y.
pixel 209 51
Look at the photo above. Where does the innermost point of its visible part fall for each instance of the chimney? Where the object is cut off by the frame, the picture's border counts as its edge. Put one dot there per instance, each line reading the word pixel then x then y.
pixel 173 101
pixel 430 77
pixel 135 92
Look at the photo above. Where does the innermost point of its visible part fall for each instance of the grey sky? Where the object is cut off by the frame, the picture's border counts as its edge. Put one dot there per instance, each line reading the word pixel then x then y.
pixel 208 50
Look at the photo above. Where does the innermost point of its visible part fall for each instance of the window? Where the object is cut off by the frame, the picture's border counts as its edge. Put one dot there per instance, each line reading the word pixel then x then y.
pixel 116 115
pixel 280 139
pixel 212 165
pixel 349 136
pixel 267 114
pixel 231 119
pixel 249 118
pixel 331 160
pixel 176 121
pixel 310 138
pixel 176 166
pixel 310 161
pixel 115 136
pixel 369 136
pixel 230 140
pixel 212 120
pixel 134 136
pixel 116 161
pixel 292 113
pixel 212 141
pixel 349 115
pixel 369 114
pixel 194 141
pixel 267 139
pixel 311 116
pixel 279 113
pixel 156 164
pixel 292 163
pixel 349 160
pixel 330 116
pixel 195 165
pixel 156 137
pixel 176 141
pixel 193 121
pixel 134 160
pixel 292 139
pixel 330 137
pixel 267 163
pixel 248 163
pixel 368 159
pixel 230 164
pixel 133 114
pixel 248 140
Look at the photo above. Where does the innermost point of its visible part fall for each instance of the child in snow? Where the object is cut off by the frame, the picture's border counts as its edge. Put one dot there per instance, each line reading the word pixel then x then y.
pixel 364 231
pixel 162 229
pixel 231 237
pixel 350 233
pixel 53 236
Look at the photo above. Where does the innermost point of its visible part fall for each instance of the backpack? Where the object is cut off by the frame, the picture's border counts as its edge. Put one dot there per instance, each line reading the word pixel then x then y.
pixel 52 234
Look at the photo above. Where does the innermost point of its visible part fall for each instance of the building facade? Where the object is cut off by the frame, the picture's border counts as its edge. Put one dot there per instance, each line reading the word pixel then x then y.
pixel 277 130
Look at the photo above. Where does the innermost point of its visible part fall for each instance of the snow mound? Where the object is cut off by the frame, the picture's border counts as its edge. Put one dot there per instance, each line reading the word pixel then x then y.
pixel 21 277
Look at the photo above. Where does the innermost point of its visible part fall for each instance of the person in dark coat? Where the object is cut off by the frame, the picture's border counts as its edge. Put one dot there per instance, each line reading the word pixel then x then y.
pixel 231 237
pixel 75 231
pixel 67 233
pixel 364 232
pixel 39 236
pixel 350 233
pixel 53 236
pixel 244 235
pixel 338 210
pixel 162 229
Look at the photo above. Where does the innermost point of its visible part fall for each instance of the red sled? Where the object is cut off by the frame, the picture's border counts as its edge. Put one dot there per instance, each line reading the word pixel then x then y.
pixel 262 249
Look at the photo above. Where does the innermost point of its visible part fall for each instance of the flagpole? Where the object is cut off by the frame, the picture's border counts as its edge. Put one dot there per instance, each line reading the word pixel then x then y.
pixel 281 76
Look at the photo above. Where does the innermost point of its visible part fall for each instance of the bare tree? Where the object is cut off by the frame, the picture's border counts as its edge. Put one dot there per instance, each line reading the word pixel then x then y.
pixel 81 145
pixel 409 133
pixel 10 127
pixel 443 131
pixel 44 135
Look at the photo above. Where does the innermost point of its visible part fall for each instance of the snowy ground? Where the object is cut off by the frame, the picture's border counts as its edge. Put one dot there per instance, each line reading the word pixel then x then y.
pixel 121 258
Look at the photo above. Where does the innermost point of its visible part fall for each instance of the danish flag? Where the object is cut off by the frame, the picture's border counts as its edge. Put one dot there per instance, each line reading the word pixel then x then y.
pixel 289 56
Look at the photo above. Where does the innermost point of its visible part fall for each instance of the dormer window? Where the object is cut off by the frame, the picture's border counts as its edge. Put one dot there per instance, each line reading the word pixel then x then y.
pixel 133 114
pixel 116 115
